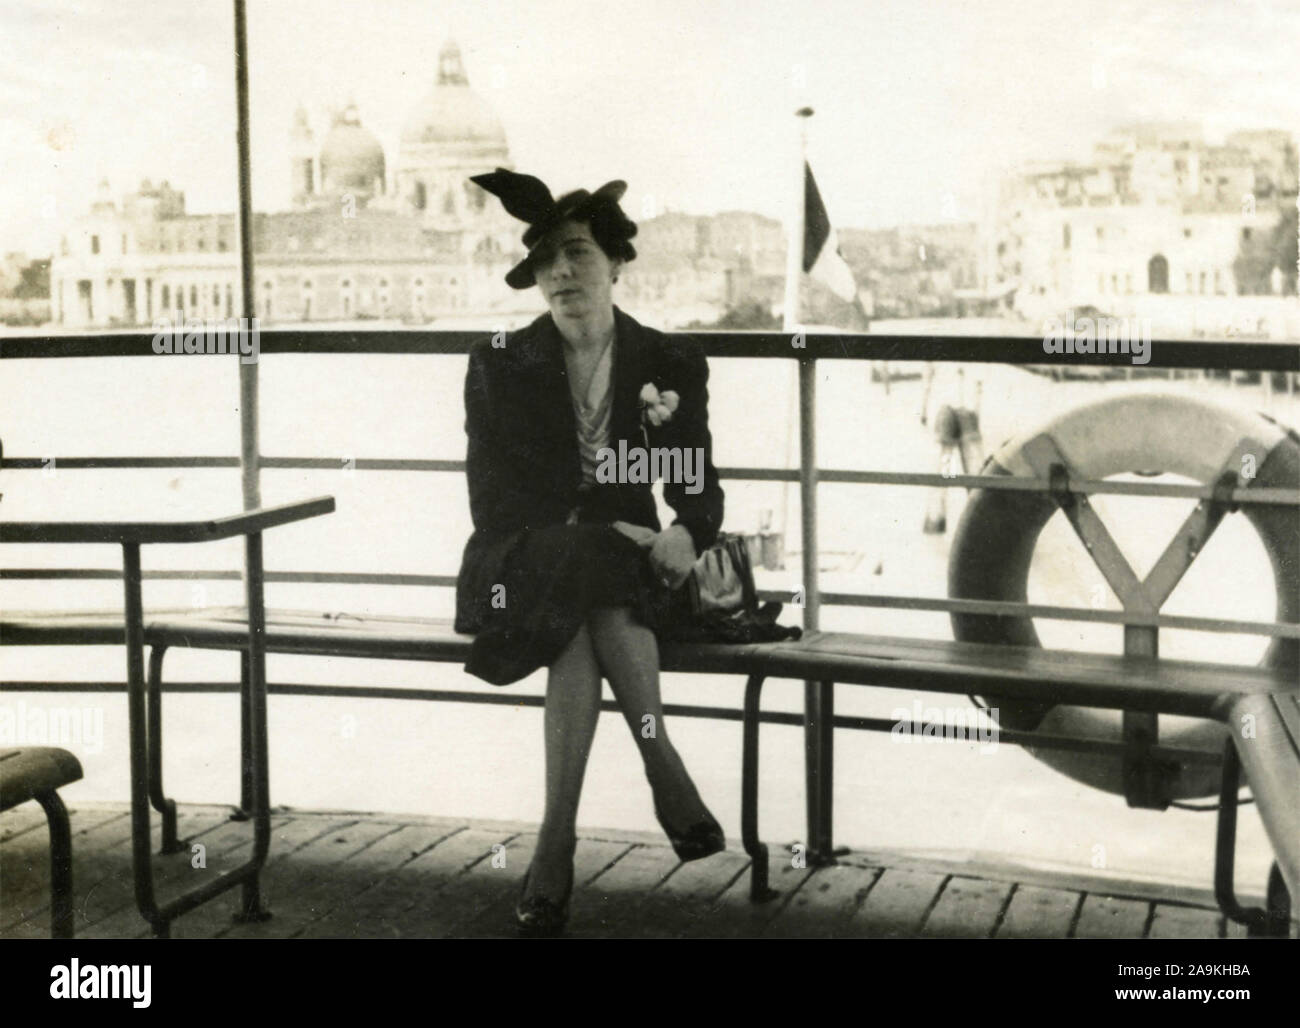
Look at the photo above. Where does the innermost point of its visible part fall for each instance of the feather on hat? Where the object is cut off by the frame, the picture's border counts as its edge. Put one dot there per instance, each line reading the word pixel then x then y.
pixel 528 199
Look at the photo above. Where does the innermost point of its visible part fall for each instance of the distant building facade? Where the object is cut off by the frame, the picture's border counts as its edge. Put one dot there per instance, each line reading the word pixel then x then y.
pixel 696 267
pixel 914 271
pixel 1156 213
pixel 414 243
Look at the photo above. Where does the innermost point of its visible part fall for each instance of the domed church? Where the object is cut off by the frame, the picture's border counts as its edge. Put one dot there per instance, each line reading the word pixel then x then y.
pixel 451 134
pixel 418 244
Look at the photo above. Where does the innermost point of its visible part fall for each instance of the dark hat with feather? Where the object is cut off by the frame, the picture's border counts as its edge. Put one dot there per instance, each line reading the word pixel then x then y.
pixel 528 199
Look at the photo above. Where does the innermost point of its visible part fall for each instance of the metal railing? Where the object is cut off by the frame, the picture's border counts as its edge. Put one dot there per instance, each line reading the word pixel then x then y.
pixel 808 349
pixel 1248 356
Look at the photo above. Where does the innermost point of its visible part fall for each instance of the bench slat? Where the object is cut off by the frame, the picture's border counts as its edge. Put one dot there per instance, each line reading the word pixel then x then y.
pixel 30 770
pixel 1009 673
pixel 1022 673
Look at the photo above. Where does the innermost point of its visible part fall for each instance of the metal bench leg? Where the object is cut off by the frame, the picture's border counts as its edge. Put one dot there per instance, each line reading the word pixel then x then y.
pixel 758 880
pixel 138 731
pixel 255 783
pixel 256 773
pixel 61 918
pixel 1259 923
pixel 819 772
pixel 164 806
pixel 245 742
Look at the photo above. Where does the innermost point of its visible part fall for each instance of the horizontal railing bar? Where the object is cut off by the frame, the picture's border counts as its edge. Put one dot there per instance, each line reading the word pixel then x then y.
pixel 999 349
pixel 1082 487
pixel 105 463
pixel 772 717
pixel 322 577
pixel 1244 496
pixel 1285 630
pixel 995 608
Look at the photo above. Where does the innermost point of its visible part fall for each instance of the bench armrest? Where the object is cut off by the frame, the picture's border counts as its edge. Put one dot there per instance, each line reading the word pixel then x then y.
pixel 245 523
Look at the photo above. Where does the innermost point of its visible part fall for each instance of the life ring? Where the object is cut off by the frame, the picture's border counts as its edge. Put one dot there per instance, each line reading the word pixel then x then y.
pixel 998 530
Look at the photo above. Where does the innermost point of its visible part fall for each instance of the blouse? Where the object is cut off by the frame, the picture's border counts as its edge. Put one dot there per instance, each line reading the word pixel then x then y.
pixel 591 415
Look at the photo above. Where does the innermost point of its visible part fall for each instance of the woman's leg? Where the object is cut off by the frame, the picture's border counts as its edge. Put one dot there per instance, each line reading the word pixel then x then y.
pixel 569 723
pixel 629 655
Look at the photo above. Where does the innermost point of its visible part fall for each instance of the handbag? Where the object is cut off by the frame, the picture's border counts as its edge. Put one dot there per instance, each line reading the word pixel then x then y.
pixel 721 582
pixel 718 602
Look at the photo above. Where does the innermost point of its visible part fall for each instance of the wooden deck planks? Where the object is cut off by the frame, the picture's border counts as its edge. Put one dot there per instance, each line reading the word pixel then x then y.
pixel 322 876
pixel 824 905
pixel 897 904
pixel 226 844
pixel 102 881
pixel 213 918
pixel 25 865
pixel 1036 912
pixel 1170 922
pixel 608 905
pixel 735 916
pixel 968 908
pixel 1106 917
pixel 682 903
pixel 366 876
pixel 484 892
pixel 402 904
pixel 26 817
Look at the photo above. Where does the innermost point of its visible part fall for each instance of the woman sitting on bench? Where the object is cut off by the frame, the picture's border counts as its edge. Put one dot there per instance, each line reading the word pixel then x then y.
pixel 568 568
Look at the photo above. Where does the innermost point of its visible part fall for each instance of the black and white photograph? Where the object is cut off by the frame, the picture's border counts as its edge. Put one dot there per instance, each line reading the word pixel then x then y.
pixel 654 470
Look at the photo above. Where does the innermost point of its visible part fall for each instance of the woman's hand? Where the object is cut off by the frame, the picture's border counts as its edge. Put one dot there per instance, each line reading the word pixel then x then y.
pixel 639 534
pixel 672 555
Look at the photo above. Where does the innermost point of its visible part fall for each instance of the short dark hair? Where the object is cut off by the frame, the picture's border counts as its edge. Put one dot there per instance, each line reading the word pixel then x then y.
pixel 611 228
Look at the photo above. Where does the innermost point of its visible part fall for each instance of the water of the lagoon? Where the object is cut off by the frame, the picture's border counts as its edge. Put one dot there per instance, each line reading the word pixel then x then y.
pixel 485 762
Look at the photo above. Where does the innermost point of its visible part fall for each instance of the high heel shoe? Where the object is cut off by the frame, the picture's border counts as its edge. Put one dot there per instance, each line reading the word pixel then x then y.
pixel 702 839
pixel 537 917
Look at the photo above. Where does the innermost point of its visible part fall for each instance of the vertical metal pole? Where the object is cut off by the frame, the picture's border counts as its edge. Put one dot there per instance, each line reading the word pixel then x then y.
pixel 256 726
pixel 245 739
pixel 790 315
pixel 248 441
pixel 819 705
pixel 795 229
pixel 137 729
pixel 819 697
pixel 253 729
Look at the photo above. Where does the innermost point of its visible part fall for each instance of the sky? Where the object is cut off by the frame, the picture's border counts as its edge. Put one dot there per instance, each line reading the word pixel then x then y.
pixel 918 102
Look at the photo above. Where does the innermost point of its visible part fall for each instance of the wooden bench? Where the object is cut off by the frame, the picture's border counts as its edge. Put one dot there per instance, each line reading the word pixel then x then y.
pixel 38 773
pixel 1195 689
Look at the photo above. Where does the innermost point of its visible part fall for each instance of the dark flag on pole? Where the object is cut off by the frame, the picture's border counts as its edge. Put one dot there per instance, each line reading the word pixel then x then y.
pixel 830 294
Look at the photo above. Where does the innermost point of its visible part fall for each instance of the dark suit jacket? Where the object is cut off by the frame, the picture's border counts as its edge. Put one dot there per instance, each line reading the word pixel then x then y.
pixel 523 468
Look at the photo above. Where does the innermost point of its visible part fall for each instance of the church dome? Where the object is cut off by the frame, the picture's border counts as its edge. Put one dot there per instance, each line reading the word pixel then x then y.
pixel 453 113
pixel 350 156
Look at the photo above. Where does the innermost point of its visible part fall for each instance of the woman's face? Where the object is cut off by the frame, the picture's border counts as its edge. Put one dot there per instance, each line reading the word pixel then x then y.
pixel 573 272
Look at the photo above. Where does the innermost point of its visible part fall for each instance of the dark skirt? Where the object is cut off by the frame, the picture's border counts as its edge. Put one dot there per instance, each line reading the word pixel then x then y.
pixel 553 578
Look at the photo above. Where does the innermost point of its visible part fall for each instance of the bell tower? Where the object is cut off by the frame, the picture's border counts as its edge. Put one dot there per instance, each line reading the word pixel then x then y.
pixel 302 159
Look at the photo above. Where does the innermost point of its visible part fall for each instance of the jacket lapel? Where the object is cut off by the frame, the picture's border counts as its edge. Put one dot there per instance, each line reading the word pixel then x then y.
pixel 629 376
pixel 548 400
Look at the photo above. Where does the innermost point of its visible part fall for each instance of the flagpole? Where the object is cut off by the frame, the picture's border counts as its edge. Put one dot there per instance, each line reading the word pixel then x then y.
pixel 790 314
pixel 819 699
pixel 249 448
pixel 794 249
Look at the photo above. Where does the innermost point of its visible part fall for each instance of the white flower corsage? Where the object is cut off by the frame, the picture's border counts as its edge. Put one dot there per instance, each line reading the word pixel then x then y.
pixel 656 408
